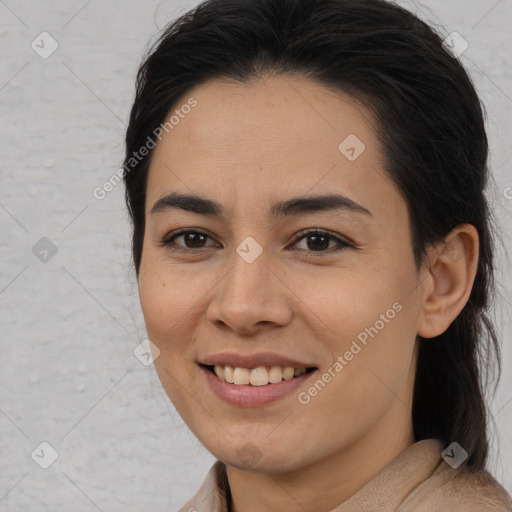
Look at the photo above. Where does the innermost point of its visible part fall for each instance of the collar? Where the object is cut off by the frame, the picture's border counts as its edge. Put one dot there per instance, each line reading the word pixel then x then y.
pixel 401 485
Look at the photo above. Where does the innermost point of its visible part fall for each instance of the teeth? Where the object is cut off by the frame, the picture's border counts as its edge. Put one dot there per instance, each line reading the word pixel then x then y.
pixel 241 376
pixel 260 376
pixel 288 373
pixel 228 373
pixel 219 371
pixel 275 374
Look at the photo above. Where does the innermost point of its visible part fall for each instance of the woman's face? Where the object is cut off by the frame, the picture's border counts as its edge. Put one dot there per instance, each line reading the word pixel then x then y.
pixel 243 292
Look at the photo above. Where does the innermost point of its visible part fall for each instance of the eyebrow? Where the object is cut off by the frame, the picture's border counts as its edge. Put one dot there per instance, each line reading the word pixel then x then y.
pixel 294 206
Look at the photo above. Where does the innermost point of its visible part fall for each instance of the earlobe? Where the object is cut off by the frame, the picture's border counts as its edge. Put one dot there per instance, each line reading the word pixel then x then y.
pixel 452 266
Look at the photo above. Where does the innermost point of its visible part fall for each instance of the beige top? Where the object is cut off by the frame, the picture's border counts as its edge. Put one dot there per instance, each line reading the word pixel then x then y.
pixel 418 480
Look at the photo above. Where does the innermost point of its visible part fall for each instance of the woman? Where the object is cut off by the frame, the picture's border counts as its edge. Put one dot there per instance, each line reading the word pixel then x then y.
pixel 314 255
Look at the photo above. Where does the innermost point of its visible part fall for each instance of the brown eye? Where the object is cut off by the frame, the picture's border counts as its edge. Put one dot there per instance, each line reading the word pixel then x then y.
pixel 192 239
pixel 319 240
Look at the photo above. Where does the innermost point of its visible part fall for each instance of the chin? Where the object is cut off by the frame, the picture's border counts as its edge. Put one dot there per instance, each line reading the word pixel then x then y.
pixel 261 457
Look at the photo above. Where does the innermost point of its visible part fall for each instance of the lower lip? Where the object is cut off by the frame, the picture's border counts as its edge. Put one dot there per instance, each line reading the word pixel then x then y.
pixel 253 396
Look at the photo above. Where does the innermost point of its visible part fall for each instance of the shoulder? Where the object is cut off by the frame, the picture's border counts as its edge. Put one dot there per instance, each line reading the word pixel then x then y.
pixel 463 491
pixel 213 495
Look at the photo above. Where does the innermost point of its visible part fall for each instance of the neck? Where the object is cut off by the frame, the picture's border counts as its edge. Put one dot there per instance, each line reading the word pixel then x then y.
pixel 323 485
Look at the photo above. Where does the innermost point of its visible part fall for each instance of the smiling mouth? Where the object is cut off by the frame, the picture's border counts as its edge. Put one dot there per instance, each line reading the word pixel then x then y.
pixel 261 376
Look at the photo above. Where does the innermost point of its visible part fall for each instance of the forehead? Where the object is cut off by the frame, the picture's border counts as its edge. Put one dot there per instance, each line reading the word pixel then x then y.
pixel 271 138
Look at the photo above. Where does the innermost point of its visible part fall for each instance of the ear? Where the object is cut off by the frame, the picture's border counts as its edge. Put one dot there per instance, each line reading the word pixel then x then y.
pixel 451 271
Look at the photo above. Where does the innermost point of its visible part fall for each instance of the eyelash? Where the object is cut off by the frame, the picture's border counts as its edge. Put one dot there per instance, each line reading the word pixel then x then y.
pixel 169 240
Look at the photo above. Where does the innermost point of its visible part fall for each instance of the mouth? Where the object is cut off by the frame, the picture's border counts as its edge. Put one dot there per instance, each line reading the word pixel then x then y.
pixel 256 377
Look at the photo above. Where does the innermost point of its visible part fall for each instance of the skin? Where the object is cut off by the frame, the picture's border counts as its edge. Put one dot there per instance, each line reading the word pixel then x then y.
pixel 246 146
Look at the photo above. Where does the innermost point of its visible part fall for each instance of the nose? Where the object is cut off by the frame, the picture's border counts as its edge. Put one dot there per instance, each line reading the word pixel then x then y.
pixel 251 297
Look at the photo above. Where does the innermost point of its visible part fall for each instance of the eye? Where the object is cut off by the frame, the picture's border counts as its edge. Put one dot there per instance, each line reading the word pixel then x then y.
pixel 192 238
pixel 318 240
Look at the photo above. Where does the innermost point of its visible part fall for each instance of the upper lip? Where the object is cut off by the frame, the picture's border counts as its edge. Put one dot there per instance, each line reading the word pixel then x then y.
pixel 253 360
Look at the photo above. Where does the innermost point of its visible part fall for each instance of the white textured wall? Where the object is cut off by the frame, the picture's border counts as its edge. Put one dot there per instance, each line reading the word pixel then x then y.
pixel 68 326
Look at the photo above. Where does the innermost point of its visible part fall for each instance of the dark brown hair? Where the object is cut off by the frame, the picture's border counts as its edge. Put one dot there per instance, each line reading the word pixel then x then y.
pixel 430 123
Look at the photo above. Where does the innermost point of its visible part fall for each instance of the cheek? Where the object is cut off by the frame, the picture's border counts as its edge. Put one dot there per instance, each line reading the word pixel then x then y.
pixel 167 317
pixel 371 323
pixel 165 301
pixel 154 299
pixel 370 375
pixel 348 300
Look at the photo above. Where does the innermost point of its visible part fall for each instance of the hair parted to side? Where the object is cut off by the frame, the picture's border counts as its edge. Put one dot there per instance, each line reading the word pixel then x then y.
pixel 431 126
